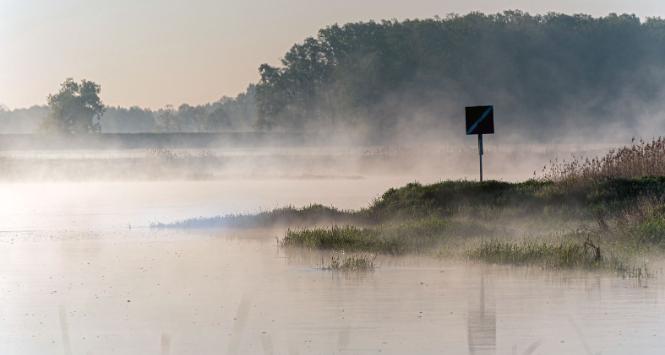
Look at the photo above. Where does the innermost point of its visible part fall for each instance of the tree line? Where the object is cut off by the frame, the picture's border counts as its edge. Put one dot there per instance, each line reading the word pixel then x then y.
pixel 77 108
pixel 544 74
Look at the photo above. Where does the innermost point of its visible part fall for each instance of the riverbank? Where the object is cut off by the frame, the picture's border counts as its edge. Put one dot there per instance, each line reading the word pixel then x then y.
pixel 606 224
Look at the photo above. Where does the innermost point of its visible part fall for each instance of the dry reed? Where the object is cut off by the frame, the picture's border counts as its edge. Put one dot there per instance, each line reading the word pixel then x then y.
pixel 640 159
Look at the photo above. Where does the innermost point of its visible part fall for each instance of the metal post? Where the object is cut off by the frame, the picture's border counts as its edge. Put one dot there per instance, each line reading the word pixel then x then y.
pixel 480 155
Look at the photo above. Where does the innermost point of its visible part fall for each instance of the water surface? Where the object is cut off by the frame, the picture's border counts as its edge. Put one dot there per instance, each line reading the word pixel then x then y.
pixel 82 274
pixel 147 292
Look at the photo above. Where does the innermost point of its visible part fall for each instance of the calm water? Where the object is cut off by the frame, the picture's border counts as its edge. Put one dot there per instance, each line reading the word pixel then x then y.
pixel 76 280
pixel 103 205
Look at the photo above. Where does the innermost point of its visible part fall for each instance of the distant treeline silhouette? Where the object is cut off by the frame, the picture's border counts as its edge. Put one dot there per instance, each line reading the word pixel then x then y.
pixel 226 114
pixel 545 74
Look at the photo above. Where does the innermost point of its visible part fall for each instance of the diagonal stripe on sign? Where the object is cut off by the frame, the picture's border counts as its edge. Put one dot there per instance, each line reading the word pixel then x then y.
pixel 481 119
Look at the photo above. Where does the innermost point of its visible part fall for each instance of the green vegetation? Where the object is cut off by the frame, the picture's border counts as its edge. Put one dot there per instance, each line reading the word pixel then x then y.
pixel 417 236
pixel 352 263
pixel 579 219
pixel 566 253
pixel 423 208
pixel 562 254
pixel 494 199
pixel 76 108
pixel 386 75
pixel 601 225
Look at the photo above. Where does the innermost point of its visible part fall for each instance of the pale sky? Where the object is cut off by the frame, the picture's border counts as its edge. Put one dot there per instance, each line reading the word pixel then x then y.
pixel 151 53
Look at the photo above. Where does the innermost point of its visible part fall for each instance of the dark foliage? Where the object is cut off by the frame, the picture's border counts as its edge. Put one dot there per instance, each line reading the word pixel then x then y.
pixel 544 73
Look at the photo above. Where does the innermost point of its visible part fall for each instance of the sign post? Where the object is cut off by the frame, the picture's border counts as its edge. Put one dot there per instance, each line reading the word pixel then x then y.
pixel 480 120
pixel 480 155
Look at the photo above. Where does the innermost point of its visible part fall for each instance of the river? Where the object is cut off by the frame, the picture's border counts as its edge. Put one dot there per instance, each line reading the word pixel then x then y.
pixel 83 274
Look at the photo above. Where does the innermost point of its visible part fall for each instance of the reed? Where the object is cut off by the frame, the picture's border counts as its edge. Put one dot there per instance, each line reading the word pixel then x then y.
pixel 416 236
pixel 340 261
pixel 565 254
pixel 641 158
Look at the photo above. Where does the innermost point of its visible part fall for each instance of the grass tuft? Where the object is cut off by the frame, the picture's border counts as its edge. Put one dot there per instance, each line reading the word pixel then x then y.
pixel 352 263
pixel 565 254
pixel 393 238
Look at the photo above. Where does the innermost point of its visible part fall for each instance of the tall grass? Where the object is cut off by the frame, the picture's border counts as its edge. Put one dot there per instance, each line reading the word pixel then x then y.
pixel 340 261
pixel 640 159
pixel 398 238
pixel 558 255
pixel 643 224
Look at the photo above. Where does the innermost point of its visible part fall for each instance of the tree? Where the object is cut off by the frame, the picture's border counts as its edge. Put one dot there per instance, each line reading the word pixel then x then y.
pixel 167 120
pixel 75 109
pixel 194 116
pixel 218 119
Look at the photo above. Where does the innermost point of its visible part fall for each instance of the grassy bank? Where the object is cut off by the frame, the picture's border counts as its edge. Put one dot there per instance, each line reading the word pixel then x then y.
pixel 604 224
pixel 602 213
pixel 606 198
pixel 416 236
pixel 545 223
pixel 490 200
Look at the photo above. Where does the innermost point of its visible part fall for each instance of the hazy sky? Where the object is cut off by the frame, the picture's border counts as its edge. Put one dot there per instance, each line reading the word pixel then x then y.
pixel 151 53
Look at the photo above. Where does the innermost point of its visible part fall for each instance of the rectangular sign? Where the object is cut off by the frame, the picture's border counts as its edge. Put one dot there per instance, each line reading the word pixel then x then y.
pixel 480 120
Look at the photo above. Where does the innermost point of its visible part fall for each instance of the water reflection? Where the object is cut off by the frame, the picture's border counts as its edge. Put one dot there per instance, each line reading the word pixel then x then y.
pixel 481 324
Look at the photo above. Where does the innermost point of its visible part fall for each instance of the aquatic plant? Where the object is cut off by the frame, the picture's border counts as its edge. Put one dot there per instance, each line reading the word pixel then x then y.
pixel 391 238
pixel 340 261
pixel 562 254
pixel 349 238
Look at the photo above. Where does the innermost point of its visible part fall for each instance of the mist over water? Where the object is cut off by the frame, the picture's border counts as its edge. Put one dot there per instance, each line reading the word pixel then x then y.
pixel 117 188
pixel 119 205
pixel 82 273
pixel 418 160
pixel 349 113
